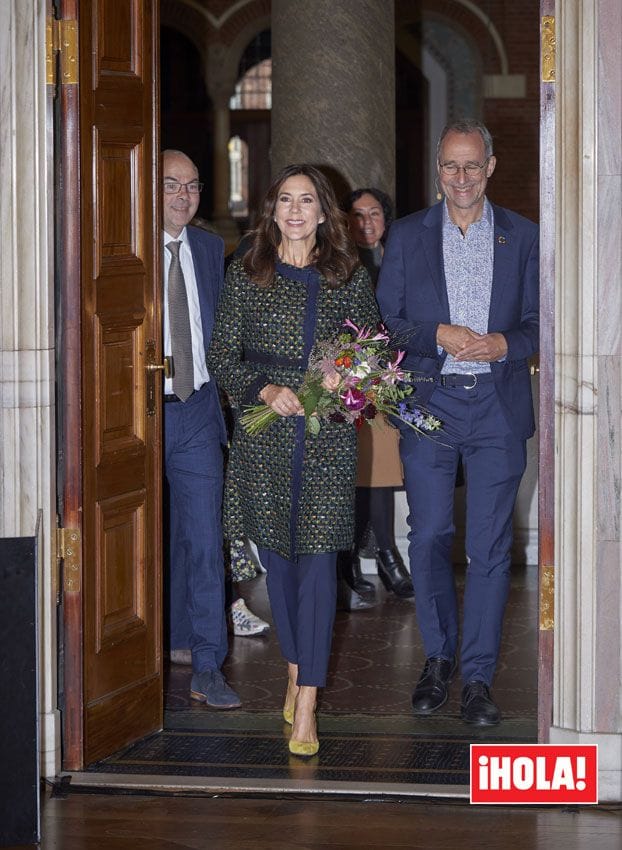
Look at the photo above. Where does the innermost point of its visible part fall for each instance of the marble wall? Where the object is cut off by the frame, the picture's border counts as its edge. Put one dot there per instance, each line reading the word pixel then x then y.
pixel 588 646
pixel 27 441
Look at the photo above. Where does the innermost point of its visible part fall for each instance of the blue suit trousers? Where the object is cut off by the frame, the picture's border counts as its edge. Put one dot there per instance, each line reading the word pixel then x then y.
pixel 474 429
pixel 193 464
pixel 303 600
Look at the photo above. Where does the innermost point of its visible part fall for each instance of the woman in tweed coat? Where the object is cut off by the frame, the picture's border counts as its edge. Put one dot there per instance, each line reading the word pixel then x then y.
pixel 293 494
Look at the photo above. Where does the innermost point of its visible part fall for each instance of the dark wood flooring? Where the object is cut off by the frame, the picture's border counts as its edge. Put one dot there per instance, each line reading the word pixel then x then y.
pixel 108 822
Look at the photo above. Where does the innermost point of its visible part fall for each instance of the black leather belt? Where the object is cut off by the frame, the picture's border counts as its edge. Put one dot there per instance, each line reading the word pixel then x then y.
pixel 466 380
pixel 168 397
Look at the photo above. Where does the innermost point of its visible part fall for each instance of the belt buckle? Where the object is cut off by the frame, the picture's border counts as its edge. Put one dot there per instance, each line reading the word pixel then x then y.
pixel 472 375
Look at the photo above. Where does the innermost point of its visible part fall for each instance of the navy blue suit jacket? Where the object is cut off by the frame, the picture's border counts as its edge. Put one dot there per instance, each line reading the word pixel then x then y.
pixel 412 294
pixel 208 258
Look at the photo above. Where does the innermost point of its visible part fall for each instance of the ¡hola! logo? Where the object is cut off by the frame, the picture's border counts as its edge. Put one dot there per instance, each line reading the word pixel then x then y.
pixel 533 773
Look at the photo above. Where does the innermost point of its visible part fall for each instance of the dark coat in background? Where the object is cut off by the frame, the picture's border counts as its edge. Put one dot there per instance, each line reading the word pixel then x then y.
pixel 288 508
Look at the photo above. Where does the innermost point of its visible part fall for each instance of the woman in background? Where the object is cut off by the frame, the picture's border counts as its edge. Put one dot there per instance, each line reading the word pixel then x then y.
pixel 379 469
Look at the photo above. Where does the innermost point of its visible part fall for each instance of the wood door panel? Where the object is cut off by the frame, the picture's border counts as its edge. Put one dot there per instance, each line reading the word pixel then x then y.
pixel 125 712
pixel 118 42
pixel 120 387
pixel 121 461
pixel 120 588
pixel 119 164
pixel 119 211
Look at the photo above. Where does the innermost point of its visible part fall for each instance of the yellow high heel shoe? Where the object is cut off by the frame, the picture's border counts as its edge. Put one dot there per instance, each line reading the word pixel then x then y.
pixel 303 748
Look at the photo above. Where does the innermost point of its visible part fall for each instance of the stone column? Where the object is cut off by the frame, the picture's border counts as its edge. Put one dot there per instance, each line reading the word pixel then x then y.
pixel 333 89
pixel 588 426
pixel 220 85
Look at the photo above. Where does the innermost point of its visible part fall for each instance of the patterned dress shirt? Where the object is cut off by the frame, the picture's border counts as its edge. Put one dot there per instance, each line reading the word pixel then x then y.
pixel 468 262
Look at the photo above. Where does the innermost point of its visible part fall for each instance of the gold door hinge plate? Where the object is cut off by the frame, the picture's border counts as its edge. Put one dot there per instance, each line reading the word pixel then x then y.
pixel 69 550
pixel 547 598
pixel 548 45
pixel 61 37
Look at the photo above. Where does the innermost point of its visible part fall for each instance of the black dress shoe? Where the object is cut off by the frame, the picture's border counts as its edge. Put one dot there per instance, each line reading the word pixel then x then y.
pixel 349 567
pixel 350 600
pixel 393 573
pixel 477 706
pixel 432 689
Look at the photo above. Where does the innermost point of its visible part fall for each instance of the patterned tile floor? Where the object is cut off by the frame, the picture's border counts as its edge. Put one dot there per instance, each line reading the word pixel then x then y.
pixel 367 730
pixel 376 661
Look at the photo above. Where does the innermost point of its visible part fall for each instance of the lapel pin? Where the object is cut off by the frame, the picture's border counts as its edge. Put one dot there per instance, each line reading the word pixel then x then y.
pixel 501 240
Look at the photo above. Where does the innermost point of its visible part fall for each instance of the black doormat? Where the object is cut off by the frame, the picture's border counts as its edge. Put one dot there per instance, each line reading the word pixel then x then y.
pixel 244 745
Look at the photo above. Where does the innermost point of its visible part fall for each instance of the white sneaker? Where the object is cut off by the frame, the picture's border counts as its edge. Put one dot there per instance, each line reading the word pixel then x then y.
pixel 244 622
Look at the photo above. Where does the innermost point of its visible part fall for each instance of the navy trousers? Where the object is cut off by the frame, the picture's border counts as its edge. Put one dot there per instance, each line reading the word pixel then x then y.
pixel 193 464
pixel 303 600
pixel 475 430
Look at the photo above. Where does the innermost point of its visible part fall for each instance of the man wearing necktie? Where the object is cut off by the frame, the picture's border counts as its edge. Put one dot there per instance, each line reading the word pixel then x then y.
pixel 459 283
pixel 194 435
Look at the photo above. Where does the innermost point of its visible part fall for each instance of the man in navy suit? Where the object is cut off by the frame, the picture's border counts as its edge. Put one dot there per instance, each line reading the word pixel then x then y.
pixel 459 288
pixel 194 436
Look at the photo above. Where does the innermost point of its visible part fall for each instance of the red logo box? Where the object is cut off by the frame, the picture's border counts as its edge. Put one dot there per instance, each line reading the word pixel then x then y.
pixel 533 774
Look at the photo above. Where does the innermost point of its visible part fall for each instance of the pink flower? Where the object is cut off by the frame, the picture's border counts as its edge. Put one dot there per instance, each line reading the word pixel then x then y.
pixel 364 333
pixel 394 373
pixel 354 399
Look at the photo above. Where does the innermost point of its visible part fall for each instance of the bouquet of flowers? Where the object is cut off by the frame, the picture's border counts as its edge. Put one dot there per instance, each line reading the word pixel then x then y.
pixel 352 379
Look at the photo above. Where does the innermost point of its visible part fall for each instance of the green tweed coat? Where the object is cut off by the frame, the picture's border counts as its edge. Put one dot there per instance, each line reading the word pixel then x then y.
pixel 288 492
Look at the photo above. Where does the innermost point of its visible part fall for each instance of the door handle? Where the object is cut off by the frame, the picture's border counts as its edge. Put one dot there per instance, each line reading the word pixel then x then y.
pixel 152 368
pixel 166 367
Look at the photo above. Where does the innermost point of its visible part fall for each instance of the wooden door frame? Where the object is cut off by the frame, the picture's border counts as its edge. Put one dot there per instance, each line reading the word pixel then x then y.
pixel 70 436
pixel 546 424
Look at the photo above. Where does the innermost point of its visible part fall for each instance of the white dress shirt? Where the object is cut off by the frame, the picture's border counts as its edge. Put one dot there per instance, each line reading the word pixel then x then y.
pixel 201 375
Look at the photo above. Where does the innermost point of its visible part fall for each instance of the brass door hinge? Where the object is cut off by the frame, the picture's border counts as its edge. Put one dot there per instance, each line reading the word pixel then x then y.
pixel 548 46
pixel 69 551
pixel 547 598
pixel 61 39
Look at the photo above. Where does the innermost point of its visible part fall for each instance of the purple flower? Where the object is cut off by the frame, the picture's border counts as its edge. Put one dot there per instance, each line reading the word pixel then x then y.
pixel 369 411
pixel 354 399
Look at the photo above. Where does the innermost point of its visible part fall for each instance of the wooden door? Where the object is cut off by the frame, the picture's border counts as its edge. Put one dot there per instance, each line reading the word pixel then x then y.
pixel 546 490
pixel 116 623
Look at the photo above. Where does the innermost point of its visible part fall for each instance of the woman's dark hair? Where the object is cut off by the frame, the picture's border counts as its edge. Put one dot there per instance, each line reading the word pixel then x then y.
pixel 335 256
pixel 383 199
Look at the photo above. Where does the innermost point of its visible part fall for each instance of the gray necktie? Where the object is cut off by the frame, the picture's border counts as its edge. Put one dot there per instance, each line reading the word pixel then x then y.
pixel 179 323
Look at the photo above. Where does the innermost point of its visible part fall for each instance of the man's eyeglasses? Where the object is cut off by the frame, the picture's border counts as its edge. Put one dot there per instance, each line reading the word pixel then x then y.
pixel 171 187
pixel 471 169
